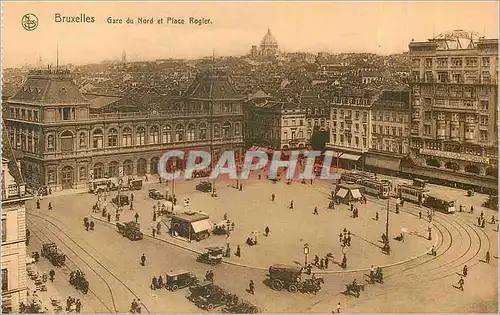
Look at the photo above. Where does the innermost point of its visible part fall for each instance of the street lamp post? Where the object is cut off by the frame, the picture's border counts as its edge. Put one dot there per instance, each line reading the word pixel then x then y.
pixel 386 247
pixel 306 252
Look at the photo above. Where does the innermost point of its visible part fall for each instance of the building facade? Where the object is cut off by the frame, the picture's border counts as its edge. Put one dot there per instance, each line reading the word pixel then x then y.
pixel 65 143
pixel 454 106
pixel 14 275
pixel 350 126
pixel 269 45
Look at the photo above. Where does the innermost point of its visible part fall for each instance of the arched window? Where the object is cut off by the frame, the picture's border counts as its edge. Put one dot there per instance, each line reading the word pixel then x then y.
pixel 203 132
pixel 154 135
pixel 82 140
pixel 141 167
pixel 98 170
pixel 190 132
pixel 216 131
pixel 112 137
pixel 237 129
pixel 226 129
pixel 83 173
pixel 140 137
pixel 51 145
pixel 67 141
pixel 179 133
pixel 127 137
pixel 97 139
pixel 166 134
pixel 113 169
pixel 128 168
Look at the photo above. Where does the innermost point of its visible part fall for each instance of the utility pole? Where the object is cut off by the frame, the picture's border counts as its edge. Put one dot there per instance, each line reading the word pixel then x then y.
pixel 386 247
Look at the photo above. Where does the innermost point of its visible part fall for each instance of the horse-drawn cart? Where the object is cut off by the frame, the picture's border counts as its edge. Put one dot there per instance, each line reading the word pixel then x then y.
pixel 53 254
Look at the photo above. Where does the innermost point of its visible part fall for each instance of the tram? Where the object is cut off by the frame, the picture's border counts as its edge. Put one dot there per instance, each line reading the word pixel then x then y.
pixel 441 204
pixel 412 193
pixel 356 176
pixel 379 188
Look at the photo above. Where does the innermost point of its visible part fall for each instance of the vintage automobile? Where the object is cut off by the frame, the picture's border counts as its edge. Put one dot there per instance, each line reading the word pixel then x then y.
pixel 130 230
pixel 201 289
pixel 215 296
pixel 283 276
pixel 155 194
pixel 77 279
pixel 135 184
pixel 121 200
pixel 213 255
pixel 175 280
pixel 204 186
pixel 53 254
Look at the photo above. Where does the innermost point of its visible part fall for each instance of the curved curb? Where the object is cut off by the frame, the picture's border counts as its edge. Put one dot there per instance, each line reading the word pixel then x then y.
pixel 265 269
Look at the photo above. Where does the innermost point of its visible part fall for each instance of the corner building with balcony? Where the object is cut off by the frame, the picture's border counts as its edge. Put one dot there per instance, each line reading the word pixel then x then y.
pixel 454 109
pixel 66 140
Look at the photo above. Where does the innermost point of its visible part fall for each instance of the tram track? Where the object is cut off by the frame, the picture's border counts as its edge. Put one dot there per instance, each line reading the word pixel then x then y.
pixel 49 240
pixel 107 270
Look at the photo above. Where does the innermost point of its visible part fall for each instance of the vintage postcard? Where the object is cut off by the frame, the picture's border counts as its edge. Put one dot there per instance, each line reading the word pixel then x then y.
pixel 249 157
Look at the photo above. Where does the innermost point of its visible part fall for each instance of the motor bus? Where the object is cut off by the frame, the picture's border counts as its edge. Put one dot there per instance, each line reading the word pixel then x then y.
pixel 100 185
pixel 379 188
pixel 412 193
pixel 441 204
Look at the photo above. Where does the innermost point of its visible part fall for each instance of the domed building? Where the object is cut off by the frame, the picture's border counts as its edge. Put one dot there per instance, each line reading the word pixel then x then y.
pixel 269 45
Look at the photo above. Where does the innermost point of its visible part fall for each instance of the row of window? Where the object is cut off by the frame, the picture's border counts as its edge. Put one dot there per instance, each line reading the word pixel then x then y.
pixel 351 100
pixel 390 116
pixel 455 132
pixel 446 77
pixel 348 127
pixel 389 146
pixel 349 113
pixel 453 61
pixel 387 130
pixel 155 136
pixel 344 140
pixel 24 114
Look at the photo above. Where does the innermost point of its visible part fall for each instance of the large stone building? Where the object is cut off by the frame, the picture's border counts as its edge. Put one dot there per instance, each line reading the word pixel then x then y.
pixel 350 117
pixel 454 106
pixel 67 140
pixel 390 131
pixel 268 46
pixel 14 196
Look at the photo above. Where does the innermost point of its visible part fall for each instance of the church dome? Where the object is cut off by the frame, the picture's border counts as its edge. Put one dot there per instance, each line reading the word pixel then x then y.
pixel 269 39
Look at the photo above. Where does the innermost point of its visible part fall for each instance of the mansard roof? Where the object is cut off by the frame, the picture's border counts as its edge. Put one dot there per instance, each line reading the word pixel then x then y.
pixel 49 88
pixel 212 85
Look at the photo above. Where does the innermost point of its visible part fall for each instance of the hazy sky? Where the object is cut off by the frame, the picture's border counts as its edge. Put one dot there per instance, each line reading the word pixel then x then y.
pixel 376 27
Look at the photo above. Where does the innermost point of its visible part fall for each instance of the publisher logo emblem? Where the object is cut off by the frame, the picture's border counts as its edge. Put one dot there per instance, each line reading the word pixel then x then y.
pixel 29 22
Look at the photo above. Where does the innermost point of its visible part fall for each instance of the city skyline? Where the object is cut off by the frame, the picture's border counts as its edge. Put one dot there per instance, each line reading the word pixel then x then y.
pixel 355 27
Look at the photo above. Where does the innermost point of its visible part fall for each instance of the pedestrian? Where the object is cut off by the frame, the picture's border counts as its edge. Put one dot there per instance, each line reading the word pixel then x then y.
pixel 327 261
pixel 492 220
pixel 483 223
pixel 291 204
pixel 420 214
pixel 109 217
pixel 131 206
pixel 38 204
pixel 352 206
pixel 315 211
pixel 316 260
pixel 471 209
pixel 160 282
pixel 238 251
pixel 117 216
pixel 136 217
pixel 311 181
pixel 260 176
pixel 143 260
pixel 273 197
pixel 487 257
pixel 338 307
pixel 154 215
pixel 154 232
pixel 482 215
pixel 50 205
pixel 92 225
pixel 460 209
pixel 52 274
pixel 131 200
pixel 251 286
pixel 461 283
pixel 464 271
pixel 344 262
pixel 87 225
pixel 376 216
pixel 69 300
pixel 340 237
pixel 478 221
pixel 266 231
pixel 322 263
pixel 241 187
pixel 158 226
pixel 348 240
pixel 154 283
pixel 78 307
pixel 372 273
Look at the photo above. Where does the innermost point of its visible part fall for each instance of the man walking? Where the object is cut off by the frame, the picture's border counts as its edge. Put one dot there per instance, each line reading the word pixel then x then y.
pixel 461 283
pixel 251 288
pixel 266 231
pixel 143 260
pixel 136 217
pixel 315 211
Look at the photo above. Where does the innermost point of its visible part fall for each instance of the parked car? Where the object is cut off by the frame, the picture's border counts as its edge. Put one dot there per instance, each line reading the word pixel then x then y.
pixel 175 280
pixel 204 186
pixel 121 200
pixel 155 194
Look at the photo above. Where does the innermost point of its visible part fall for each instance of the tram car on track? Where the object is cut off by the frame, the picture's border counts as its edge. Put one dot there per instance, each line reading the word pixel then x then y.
pixel 441 204
pixel 356 176
pixel 374 187
pixel 412 193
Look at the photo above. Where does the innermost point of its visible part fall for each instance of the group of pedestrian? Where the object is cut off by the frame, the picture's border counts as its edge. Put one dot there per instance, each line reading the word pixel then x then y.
pixel 345 238
pixel 157 229
pixel 135 307
pixel 209 275
pixel 321 263
pixel 354 210
pixel 157 283
pixel 88 225
pixel 481 221
pixel 70 301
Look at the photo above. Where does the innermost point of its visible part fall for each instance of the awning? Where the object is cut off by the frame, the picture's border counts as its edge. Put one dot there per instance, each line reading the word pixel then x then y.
pixel 200 226
pixel 355 193
pixel 341 193
pixel 385 162
pixel 350 157
pixel 333 153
